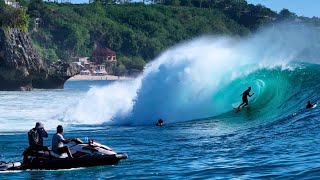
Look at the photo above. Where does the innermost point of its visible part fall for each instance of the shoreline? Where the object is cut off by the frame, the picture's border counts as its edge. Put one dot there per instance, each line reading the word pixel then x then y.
pixel 101 78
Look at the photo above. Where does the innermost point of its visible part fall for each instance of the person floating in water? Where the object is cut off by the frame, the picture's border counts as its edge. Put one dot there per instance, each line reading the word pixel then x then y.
pixel 160 122
pixel 245 95
pixel 309 105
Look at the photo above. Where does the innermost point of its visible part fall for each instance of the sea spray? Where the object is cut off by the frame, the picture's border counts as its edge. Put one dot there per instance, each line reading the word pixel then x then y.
pixel 92 109
pixel 192 80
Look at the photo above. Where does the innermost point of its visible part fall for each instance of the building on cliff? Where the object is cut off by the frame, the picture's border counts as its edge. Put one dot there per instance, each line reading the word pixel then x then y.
pixel 57 1
pixel 12 3
pixel 37 23
pixel 90 68
pixel 103 55
pixel 100 63
pixel 85 63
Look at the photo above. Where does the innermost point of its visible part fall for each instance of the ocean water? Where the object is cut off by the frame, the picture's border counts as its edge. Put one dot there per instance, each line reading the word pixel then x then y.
pixel 194 87
pixel 240 145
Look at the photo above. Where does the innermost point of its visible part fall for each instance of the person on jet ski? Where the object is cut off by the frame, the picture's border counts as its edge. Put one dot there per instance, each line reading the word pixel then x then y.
pixel 58 141
pixel 35 137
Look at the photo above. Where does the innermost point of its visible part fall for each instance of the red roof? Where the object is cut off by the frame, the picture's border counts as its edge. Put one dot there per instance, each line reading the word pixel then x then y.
pixel 103 52
pixel 100 55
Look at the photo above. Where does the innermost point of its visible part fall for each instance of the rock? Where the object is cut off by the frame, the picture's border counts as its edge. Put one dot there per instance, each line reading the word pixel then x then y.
pixel 21 67
pixel 57 74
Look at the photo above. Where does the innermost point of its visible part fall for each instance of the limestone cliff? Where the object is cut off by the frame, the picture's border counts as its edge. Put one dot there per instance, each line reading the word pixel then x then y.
pixel 21 67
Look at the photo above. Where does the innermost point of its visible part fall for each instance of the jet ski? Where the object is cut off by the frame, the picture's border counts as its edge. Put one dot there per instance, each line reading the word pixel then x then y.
pixel 84 155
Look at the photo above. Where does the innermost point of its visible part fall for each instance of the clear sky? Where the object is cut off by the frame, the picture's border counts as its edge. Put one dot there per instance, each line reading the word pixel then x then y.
pixel 307 8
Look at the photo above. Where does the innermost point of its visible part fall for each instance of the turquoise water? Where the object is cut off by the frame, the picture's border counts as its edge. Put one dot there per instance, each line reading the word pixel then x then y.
pixel 194 87
pixel 261 141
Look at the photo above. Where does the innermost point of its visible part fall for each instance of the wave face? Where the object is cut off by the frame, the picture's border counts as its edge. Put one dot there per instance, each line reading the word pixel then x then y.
pixel 205 77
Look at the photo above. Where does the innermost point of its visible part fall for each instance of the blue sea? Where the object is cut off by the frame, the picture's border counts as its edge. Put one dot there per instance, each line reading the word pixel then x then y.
pixel 195 93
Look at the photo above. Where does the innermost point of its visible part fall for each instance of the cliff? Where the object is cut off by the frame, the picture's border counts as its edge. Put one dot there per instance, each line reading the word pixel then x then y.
pixel 21 67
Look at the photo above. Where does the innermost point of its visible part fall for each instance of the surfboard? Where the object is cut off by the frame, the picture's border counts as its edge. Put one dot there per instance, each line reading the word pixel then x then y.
pixel 237 109
pixel 315 105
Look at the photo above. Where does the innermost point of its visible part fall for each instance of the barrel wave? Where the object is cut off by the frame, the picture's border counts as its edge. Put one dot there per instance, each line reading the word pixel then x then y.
pixel 278 93
pixel 204 78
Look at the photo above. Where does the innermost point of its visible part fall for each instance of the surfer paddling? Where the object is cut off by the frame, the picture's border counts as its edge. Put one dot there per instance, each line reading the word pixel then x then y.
pixel 245 95
pixel 309 105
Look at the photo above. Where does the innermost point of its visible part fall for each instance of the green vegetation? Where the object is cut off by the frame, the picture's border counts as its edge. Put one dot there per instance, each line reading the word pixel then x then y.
pixel 13 17
pixel 138 32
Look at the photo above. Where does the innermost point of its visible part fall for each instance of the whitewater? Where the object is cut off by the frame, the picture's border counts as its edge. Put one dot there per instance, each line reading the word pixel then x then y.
pixel 194 87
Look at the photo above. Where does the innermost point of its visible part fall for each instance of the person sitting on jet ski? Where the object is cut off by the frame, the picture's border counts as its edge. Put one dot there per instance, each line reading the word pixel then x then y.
pixel 58 141
pixel 36 135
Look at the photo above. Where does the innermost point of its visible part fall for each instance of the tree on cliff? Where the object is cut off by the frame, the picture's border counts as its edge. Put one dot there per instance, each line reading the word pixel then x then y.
pixel 286 14
pixel 13 17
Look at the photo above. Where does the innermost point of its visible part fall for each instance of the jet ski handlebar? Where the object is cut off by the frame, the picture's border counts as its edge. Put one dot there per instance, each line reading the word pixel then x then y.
pixel 77 141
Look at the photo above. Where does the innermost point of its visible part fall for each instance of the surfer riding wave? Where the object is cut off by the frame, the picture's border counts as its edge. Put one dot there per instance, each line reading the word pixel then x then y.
pixel 245 95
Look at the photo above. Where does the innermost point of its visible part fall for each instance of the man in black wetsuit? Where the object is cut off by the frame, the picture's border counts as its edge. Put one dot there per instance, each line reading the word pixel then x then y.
pixel 160 122
pixel 245 95
pixel 309 105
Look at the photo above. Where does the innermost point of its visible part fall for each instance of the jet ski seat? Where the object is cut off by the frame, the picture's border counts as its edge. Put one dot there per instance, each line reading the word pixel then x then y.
pixel 63 155
pixel 45 151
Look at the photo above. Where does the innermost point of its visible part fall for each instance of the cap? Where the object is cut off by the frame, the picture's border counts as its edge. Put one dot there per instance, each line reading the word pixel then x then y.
pixel 39 125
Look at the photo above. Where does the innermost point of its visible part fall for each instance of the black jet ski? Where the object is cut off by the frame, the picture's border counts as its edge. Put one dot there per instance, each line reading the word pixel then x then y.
pixel 9 165
pixel 84 155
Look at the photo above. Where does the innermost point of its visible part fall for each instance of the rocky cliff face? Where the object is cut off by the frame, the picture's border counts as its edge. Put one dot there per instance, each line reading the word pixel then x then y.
pixel 21 67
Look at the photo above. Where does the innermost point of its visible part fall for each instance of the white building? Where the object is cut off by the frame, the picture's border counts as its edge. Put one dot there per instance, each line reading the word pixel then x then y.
pixel 83 60
pixel 12 3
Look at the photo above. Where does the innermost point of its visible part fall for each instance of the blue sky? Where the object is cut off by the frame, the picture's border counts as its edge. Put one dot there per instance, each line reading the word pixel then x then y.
pixel 307 8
